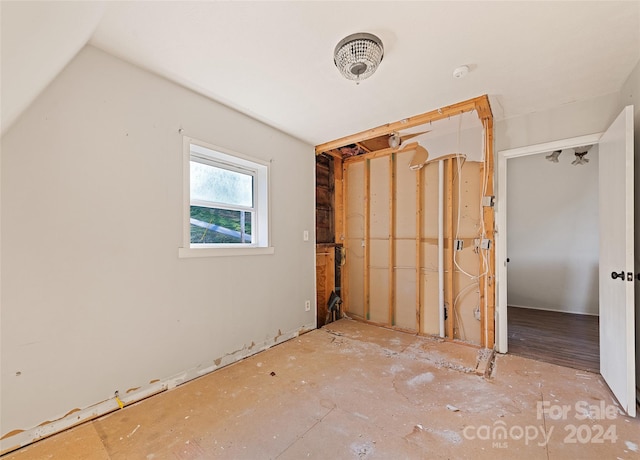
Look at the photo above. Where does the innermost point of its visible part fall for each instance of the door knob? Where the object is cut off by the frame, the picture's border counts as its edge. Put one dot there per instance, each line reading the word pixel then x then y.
pixel 620 275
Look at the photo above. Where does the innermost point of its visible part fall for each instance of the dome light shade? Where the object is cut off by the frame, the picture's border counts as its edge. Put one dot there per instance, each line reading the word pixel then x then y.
pixel 358 56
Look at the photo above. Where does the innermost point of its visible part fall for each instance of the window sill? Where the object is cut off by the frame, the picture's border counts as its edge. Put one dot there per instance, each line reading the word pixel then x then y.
pixel 184 253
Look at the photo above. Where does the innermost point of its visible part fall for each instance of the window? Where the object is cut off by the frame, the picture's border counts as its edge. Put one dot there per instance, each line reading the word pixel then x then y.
pixel 225 202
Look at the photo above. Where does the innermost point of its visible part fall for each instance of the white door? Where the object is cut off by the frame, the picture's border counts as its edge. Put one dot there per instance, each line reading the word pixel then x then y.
pixel 617 337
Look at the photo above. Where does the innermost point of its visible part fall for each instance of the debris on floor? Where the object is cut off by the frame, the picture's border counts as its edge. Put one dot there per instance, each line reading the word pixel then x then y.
pixel 360 391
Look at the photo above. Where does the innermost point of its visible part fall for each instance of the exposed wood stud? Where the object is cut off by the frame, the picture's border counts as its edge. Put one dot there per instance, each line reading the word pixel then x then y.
pixel 487 282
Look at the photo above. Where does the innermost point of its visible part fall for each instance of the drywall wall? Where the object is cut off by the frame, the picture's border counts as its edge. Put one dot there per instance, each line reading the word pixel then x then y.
pixel 469 142
pixel 552 240
pixel 94 296
pixel 630 94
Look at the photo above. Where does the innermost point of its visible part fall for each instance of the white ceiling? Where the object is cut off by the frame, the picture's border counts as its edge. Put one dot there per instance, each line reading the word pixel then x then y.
pixel 274 60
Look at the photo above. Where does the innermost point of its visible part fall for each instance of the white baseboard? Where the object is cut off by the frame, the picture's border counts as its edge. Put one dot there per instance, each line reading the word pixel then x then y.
pixel 26 437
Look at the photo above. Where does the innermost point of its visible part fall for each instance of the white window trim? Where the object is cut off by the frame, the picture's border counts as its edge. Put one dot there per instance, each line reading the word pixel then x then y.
pixel 262 225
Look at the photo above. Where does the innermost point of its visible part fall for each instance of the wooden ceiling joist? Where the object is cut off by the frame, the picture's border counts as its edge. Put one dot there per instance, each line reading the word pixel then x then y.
pixel 479 104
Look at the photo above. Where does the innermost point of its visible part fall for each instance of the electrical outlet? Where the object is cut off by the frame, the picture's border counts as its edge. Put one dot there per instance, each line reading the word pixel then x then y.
pixel 488 201
pixel 307 305
pixel 459 245
pixel 305 235
pixel 485 243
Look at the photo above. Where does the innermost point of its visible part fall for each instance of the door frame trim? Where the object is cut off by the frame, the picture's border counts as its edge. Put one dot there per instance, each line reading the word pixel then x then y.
pixel 501 220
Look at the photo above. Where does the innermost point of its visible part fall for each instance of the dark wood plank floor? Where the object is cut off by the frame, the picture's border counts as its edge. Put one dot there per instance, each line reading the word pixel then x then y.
pixel 559 338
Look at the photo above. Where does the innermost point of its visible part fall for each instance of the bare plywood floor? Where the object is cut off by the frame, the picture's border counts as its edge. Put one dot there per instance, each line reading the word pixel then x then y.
pixel 559 338
pixel 353 390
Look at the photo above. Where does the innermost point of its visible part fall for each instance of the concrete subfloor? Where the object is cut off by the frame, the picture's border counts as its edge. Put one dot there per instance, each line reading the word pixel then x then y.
pixel 352 390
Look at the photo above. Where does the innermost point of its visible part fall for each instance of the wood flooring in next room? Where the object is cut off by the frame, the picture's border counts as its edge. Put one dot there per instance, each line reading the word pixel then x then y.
pixel 559 338
pixel 356 391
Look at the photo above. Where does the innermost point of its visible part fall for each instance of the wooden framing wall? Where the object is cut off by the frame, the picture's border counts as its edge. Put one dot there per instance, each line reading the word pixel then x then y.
pixel 385 219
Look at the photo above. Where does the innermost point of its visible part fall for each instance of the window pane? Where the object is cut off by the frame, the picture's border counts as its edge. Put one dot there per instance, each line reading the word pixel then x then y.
pixel 209 183
pixel 211 225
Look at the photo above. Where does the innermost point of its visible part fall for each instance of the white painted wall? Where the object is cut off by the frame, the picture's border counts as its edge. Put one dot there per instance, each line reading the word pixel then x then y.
pixel 562 122
pixel 94 296
pixel 552 220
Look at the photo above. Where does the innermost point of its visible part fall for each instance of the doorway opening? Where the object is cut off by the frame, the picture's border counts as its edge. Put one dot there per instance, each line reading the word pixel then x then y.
pixel 552 249
pixel 502 206
pixel 616 251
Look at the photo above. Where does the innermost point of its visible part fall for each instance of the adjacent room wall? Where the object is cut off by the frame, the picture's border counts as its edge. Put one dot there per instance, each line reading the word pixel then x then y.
pixel 552 220
pixel 94 296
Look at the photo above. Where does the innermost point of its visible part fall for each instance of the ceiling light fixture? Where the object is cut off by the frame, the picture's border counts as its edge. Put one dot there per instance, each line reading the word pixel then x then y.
pixel 580 152
pixel 553 157
pixel 358 56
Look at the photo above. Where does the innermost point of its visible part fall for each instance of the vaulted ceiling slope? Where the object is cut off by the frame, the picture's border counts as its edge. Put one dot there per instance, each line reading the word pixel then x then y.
pixel 274 60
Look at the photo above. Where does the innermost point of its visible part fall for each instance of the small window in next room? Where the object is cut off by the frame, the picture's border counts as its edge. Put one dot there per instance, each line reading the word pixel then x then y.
pixel 227 199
